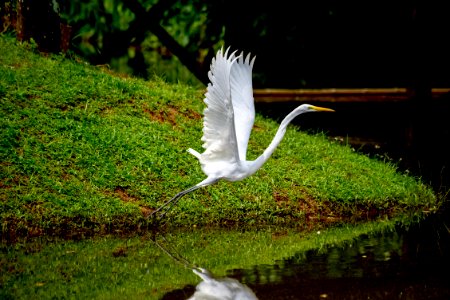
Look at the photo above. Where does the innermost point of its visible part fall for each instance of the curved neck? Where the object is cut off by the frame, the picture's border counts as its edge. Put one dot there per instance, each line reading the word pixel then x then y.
pixel 257 163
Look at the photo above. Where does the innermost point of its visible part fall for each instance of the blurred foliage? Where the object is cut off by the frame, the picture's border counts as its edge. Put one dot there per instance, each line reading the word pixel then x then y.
pixel 94 21
pixel 299 44
pixel 102 35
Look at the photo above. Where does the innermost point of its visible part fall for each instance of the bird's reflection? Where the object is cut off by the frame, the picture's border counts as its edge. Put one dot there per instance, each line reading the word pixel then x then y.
pixel 211 287
pixel 220 288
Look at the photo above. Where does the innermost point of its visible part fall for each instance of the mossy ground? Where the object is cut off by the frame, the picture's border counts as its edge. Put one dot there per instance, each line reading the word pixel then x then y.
pixel 87 151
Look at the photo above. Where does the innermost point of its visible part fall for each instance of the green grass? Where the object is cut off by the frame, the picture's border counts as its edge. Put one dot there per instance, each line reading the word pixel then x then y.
pixel 86 151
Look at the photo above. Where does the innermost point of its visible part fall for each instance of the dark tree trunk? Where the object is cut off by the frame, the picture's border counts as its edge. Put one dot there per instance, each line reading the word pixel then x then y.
pixel 39 20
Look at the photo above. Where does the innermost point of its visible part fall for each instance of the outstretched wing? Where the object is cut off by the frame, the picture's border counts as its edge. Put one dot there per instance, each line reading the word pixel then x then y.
pixel 219 134
pixel 242 99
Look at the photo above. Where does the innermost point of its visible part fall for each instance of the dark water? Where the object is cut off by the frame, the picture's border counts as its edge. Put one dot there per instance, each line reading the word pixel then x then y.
pixel 405 264
pixel 408 263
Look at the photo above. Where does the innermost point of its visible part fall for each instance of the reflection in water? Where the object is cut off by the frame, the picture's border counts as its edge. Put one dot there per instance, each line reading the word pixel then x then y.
pixel 212 287
pixel 220 288
pixel 405 264
pixel 408 263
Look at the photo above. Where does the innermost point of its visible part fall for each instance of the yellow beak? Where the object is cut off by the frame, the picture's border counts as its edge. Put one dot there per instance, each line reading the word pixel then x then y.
pixel 318 108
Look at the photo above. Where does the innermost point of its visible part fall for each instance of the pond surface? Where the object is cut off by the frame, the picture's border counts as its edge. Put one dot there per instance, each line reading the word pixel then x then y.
pixel 401 265
pixel 409 263
pixel 269 263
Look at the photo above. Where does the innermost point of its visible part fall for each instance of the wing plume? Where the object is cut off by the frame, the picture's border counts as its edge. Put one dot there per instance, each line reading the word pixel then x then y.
pixel 242 99
pixel 219 133
pixel 230 111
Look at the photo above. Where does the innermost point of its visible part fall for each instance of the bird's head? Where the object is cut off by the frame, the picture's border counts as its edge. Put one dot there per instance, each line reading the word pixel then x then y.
pixel 313 108
pixel 304 108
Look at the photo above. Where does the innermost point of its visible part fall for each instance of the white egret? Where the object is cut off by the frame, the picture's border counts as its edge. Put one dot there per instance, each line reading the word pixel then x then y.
pixel 228 121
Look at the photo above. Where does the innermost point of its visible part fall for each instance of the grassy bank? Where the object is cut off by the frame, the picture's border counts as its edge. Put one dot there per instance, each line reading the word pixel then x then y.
pixel 86 151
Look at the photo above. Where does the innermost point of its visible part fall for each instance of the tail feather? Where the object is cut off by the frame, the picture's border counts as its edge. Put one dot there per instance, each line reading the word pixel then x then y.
pixel 195 153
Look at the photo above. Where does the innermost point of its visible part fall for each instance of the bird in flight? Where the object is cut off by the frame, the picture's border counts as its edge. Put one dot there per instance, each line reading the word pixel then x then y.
pixel 228 121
